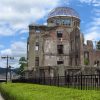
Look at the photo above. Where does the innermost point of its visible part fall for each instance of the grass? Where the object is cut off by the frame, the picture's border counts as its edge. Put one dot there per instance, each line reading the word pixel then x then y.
pixel 20 91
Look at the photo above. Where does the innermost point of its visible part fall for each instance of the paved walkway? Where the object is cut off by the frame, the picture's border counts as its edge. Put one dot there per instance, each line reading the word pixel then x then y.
pixel 1 97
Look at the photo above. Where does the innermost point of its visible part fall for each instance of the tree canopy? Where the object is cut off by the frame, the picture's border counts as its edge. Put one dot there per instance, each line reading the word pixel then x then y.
pixel 23 64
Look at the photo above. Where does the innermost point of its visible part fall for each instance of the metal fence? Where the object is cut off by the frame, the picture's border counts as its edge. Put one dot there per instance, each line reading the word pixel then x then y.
pixel 70 81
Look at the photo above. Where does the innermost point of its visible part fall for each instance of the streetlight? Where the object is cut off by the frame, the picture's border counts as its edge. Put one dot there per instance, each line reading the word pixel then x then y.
pixel 7 57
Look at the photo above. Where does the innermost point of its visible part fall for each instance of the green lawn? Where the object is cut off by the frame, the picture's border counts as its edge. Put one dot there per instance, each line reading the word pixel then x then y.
pixel 20 91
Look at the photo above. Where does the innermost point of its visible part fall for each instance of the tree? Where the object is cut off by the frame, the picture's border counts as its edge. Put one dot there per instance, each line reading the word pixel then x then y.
pixel 98 45
pixel 23 64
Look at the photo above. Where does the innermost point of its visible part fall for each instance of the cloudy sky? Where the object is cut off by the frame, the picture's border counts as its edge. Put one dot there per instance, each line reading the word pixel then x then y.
pixel 16 15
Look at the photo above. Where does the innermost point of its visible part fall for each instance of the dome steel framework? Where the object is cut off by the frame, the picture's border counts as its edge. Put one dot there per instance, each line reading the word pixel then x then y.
pixel 63 11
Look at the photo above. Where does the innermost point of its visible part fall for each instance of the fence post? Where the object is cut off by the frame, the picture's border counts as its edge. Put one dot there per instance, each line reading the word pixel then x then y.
pixel 65 78
pixel 72 81
pixel 81 81
pixel 68 80
pixel 50 80
pixel 44 78
pixel 39 80
pixel 91 83
pixel 99 80
pixel 58 79
pixel 95 82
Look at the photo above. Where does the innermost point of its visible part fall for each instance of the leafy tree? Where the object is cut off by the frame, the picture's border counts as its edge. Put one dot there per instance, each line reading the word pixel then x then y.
pixel 23 64
pixel 98 45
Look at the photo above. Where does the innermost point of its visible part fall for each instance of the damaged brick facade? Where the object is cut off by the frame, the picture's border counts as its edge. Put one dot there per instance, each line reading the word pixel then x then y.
pixel 58 47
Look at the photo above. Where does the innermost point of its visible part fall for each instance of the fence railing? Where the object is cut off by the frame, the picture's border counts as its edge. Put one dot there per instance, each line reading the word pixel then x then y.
pixel 74 81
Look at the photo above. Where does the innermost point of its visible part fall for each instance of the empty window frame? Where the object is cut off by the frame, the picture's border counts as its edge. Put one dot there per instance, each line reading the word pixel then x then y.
pixel 58 22
pixel 36 61
pixel 63 22
pixel 67 22
pixel 37 30
pixel 60 49
pixel 97 62
pixel 60 62
pixel 86 56
pixel 37 46
pixel 59 34
pixel 71 61
pixel 76 61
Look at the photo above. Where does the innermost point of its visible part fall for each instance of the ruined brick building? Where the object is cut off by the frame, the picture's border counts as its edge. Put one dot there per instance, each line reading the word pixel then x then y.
pixel 58 47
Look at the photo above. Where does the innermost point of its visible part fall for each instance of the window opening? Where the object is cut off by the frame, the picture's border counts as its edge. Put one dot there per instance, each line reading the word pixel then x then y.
pixel 60 49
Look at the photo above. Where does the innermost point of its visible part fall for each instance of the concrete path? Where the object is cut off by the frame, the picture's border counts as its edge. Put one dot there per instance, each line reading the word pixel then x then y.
pixel 1 97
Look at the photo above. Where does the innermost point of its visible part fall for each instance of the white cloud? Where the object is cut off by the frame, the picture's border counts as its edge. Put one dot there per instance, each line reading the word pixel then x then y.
pixel 93 2
pixel 92 36
pixel 20 13
pixel 17 15
pixel 93 27
pixel 96 21
pixel 45 23
pixel 93 32
pixel 17 49
pixel 3 63
pixel 6 52
pixel 85 1
pixel 6 31
pixel 66 2
pixel 96 2
pixel 12 62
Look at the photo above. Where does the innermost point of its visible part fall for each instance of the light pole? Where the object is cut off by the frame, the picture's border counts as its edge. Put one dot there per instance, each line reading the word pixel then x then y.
pixel 7 57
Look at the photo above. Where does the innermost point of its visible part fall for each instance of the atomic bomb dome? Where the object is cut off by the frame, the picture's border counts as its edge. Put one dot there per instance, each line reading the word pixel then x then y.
pixel 58 49
pixel 63 11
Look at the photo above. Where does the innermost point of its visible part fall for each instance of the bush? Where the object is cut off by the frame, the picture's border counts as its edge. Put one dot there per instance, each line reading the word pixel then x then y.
pixel 23 91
